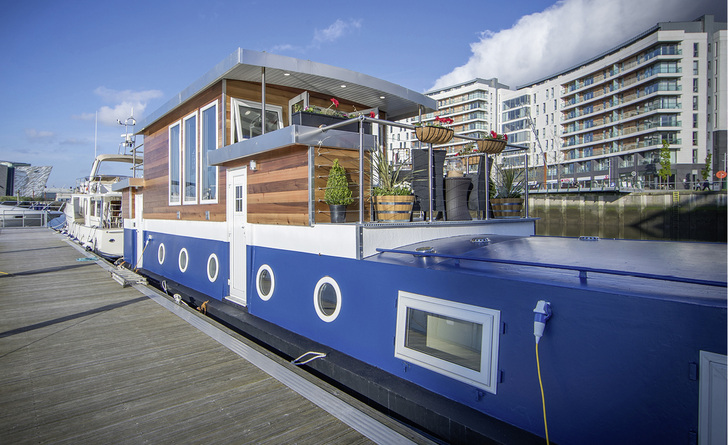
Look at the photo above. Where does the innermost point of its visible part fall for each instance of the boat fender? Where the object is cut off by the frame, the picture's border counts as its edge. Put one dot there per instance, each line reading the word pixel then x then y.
pixel 203 307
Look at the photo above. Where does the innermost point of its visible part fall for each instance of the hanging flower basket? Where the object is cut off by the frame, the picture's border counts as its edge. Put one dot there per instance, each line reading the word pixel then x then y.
pixel 434 135
pixel 491 146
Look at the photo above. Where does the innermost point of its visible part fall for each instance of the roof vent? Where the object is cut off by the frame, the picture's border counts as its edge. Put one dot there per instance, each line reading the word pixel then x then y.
pixel 424 249
pixel 480 240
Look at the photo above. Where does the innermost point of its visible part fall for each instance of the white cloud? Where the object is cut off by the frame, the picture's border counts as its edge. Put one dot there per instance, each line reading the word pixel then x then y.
pixel 334 32
pixel 39 136
pixel 563 35
pixel 124 102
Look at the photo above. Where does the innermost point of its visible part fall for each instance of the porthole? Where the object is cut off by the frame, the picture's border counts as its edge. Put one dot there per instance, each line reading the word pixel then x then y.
pixel 212 267
pixel 161 253
pixel 265 282
pixel 327 299
pixel 183 259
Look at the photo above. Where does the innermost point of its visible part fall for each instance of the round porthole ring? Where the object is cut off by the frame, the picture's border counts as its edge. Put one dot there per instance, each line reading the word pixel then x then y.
pixel 323 281
pixel 265 268
pixel 211 258
pixel 161 253
pixel 187 259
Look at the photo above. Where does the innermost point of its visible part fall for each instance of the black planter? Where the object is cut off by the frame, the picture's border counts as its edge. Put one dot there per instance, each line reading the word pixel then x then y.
pixel 317 120
pixel 338 213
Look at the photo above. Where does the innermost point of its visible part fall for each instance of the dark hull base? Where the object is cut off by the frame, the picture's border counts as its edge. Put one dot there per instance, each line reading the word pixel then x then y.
pixel 431 413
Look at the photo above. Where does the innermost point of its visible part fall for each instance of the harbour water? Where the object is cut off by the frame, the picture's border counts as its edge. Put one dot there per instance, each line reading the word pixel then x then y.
pixel 673 215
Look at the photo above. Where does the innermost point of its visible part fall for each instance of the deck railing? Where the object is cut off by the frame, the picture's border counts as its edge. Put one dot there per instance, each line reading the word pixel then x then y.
pixel 362 119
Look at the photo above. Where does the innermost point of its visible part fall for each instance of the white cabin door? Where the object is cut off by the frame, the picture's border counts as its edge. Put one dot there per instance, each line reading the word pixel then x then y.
pixel 237 221
pixel 138 218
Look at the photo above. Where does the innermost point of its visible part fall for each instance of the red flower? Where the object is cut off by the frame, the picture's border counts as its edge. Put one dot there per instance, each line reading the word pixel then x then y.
pixel 335 102
pixel 371 114
pixel 493 134
pixel 505 136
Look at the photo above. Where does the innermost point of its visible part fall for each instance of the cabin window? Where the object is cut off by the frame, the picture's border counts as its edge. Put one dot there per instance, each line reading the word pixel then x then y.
pixel 189 158
pixel 161 253
pixel 212 267
pixel 247 118
pixel 327 299
pixel 174 163
pixel 265 282
pixel 208 141
pixel 183 260
pixel 454 339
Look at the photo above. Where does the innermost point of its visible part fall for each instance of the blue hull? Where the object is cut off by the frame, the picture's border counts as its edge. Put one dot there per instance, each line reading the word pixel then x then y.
pixel 619 357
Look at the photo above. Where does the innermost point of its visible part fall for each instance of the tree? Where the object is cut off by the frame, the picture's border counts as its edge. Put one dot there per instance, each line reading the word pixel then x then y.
pixel 705 172
pixel 665 171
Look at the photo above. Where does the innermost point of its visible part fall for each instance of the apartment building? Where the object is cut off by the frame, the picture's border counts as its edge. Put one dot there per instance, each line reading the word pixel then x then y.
pixel 471 105
pixel 602 123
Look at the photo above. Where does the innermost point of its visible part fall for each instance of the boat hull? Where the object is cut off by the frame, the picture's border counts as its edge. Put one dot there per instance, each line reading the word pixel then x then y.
pixel 616 357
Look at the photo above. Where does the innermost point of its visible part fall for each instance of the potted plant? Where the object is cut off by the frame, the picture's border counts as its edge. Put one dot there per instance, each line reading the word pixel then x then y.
pixel 509 187
pixel 493 144
pixel 434 132
pixel 393 198
pixel 337 194
pixel 315 116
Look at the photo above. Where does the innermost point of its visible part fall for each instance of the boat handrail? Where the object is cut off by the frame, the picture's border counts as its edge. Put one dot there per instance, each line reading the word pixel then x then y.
pixel 583 271
pixel 361 119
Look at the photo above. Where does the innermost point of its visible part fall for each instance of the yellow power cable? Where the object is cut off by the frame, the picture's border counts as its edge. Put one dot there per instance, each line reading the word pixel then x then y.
pixel 543 400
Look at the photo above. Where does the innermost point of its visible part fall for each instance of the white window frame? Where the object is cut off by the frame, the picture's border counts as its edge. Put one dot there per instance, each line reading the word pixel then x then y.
pixel 236 133
pixel 185 199
pixel 210 259
pixel 178 149
pixel 203 154
pixel 317 307
pixel 487 377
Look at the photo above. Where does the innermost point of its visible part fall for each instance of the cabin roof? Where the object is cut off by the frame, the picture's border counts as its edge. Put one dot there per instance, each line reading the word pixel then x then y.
pixel 398 102
pixel 634 261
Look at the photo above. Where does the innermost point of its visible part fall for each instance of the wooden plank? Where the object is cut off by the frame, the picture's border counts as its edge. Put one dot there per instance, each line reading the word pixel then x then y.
pixel 86 361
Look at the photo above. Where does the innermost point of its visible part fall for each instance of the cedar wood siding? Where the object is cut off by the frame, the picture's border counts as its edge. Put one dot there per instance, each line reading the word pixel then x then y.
pixel 156 165
pixel 278 192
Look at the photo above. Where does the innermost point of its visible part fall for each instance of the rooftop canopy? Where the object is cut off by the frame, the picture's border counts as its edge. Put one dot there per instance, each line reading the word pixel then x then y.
pixel 396 101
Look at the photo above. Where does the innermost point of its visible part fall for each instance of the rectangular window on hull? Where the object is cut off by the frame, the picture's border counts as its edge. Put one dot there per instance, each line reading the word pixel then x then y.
pixel 174 163
pixel 189 158
pixel 208 142
pixel 454 339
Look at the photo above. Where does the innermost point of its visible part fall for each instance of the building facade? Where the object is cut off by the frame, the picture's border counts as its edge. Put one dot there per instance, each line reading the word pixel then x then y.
pixel 601 124
pixel 471 105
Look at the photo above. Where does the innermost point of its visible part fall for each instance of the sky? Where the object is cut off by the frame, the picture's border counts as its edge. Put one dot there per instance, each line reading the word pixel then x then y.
pixel 71 69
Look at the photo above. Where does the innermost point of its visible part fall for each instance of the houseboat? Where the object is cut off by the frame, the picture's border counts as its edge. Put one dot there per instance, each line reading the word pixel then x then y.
pixel 436 319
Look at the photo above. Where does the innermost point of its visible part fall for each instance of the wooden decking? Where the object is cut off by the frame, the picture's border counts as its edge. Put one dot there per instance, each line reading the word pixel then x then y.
pixel 84 360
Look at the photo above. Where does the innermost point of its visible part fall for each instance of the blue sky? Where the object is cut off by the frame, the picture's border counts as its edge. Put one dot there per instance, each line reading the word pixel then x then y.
pixel 66 62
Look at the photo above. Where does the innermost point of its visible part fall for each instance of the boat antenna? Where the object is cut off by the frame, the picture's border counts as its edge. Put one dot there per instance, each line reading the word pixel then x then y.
pixel 96 132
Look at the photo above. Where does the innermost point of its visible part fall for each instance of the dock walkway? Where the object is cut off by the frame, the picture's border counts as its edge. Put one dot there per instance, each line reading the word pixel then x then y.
pixel 85 360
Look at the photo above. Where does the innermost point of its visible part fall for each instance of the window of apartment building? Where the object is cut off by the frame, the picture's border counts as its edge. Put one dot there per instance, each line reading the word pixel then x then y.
pixel 555 107
pixel 695 138
pixel 695 120
pixel 695 102
pixel 174 162
pixel 696 48
pixel 696 71
pixel 547 93
pixel 536 109
pixel 208 141
pixel 695 156
pixel 695 85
